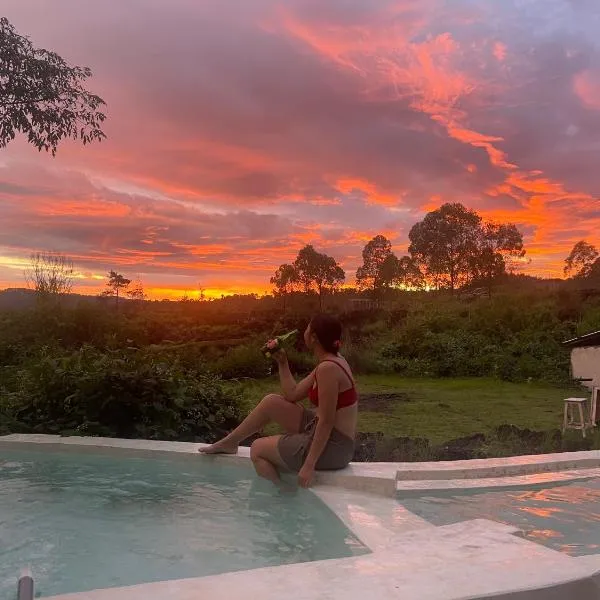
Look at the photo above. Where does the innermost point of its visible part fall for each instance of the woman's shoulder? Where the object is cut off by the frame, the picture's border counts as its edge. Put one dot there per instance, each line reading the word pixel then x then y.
pixel 335 366
pixel 344 362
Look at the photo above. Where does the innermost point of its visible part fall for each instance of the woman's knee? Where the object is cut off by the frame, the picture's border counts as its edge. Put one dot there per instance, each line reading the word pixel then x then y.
pixel 256 449
pixel 271 400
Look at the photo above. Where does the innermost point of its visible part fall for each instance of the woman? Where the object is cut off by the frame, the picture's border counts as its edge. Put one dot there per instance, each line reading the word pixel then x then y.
pixel 318 439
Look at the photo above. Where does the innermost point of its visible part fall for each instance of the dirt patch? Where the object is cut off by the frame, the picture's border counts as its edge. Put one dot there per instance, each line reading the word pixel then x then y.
pixel 505 440
pixel 381 402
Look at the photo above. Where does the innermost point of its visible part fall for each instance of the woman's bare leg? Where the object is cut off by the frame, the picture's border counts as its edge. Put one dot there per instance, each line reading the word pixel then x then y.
pixel 272 408
pixel 266 458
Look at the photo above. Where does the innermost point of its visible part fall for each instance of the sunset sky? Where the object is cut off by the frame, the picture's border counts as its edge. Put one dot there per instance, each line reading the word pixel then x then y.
pixel 240 130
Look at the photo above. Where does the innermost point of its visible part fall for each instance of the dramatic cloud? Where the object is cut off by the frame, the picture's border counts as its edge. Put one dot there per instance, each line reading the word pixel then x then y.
pixel 240 131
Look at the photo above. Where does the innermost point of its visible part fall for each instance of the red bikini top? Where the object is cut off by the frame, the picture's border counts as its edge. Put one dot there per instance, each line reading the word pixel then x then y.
pixel 346 398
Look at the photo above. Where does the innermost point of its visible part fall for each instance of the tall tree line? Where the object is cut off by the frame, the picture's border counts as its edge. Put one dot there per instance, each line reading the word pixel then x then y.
pixel 452 247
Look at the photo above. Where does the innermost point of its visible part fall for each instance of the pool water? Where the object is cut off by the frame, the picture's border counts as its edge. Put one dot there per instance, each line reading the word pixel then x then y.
pixel 565 517
pixel 87 521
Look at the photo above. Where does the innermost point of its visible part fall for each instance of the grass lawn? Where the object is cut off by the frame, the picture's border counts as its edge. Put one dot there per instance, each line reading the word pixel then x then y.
pixel 444 409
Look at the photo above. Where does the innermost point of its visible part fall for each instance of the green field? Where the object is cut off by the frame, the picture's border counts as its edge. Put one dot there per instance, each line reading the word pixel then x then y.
pixel 444 409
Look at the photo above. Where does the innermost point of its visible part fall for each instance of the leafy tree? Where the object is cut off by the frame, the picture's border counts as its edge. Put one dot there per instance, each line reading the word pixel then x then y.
pixel 382 269
pixel 581 260
pixel 388 273
pixel 284 281
pixel 456 248
pixel 317 272
pixel 408 274
pixel 497 246
pixel 50 274
pixel 42 97
pixel 592 279
pixel 380 266
pixel 444 243
pixel 116 282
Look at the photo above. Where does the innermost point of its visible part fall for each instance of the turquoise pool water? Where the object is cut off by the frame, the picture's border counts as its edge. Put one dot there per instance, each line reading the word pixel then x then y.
pixel 94 521
pixel 565 517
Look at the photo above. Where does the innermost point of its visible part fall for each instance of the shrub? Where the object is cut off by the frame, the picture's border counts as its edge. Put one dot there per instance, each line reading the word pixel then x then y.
pixel 590 321
pixel 364 359
pixel 301 363
pixel 119 393
pixel 243 361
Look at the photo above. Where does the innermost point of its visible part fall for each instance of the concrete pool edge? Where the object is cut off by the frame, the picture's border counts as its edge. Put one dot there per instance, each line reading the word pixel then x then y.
pixel 409 556
pixel 383 478
pixel 438 487
pixel 482 468
pixel 376 478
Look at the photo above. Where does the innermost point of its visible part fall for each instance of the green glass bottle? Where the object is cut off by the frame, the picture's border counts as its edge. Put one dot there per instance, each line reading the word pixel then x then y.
pixel 283 340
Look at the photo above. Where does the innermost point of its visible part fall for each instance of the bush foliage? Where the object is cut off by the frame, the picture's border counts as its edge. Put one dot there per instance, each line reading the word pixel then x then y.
pixel 124 393
pixel 161 370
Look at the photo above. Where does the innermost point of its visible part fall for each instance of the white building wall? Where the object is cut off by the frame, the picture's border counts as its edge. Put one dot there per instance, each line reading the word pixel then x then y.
pixel 585 362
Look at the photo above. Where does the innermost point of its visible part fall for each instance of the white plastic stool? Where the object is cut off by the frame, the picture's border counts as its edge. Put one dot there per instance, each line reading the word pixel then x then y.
pixel 572 406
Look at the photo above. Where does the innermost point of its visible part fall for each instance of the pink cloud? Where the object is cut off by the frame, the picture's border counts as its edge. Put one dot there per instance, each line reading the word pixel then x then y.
pixel 587 87
pixel 236 136
pixel 499 51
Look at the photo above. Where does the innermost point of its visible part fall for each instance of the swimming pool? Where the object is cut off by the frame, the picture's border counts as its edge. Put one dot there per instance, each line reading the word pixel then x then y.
pixel 565 517
pixel 87 521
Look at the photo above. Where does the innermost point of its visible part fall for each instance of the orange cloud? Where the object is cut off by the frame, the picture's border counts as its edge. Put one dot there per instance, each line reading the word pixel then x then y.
pixel 370 190
pixel 90 209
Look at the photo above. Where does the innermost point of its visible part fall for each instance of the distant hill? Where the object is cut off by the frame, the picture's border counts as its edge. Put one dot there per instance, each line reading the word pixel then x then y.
pixel 23 298
pixel 20 298
pixel 13 298
pixel 523 280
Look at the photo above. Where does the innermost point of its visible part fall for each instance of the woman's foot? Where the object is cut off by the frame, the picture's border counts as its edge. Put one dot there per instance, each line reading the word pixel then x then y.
pixel 221 447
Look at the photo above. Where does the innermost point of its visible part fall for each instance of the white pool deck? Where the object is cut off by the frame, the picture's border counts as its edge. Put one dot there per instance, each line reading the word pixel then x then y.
pixel 410 558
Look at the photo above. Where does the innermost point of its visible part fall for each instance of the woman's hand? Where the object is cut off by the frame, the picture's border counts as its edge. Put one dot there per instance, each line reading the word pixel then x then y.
pixel 280 357
pixel 305 476
pixel 277 354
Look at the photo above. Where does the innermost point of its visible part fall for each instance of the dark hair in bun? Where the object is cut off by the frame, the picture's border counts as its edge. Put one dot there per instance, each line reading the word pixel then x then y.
pixel 328 331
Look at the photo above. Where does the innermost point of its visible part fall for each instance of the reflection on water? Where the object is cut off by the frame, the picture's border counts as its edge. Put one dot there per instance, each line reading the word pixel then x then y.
pixel 566 517
pixel 91 521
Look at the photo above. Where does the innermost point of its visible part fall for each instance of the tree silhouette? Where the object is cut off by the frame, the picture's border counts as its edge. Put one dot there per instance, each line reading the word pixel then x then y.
pixel 317 272
pixel 284 281
pixel 408 274
pixel 43 97
pixel 581 260
pixel 444 242
pixel 380 266
pixel 455 247
pixel 116 283
pixel 498 245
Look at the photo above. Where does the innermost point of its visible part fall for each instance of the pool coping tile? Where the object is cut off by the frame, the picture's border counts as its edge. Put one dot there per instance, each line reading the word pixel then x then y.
pixel 422 487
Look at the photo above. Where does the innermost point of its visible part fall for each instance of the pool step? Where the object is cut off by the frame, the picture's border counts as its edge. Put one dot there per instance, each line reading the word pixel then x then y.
pixel 498 467
pixel 437 487
pixel 376 478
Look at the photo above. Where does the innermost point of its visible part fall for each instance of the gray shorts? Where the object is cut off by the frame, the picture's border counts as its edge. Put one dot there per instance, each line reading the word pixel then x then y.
pixel 293 447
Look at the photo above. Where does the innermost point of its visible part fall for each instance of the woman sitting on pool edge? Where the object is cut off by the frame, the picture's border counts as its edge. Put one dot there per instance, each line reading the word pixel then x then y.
pixel 320 439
